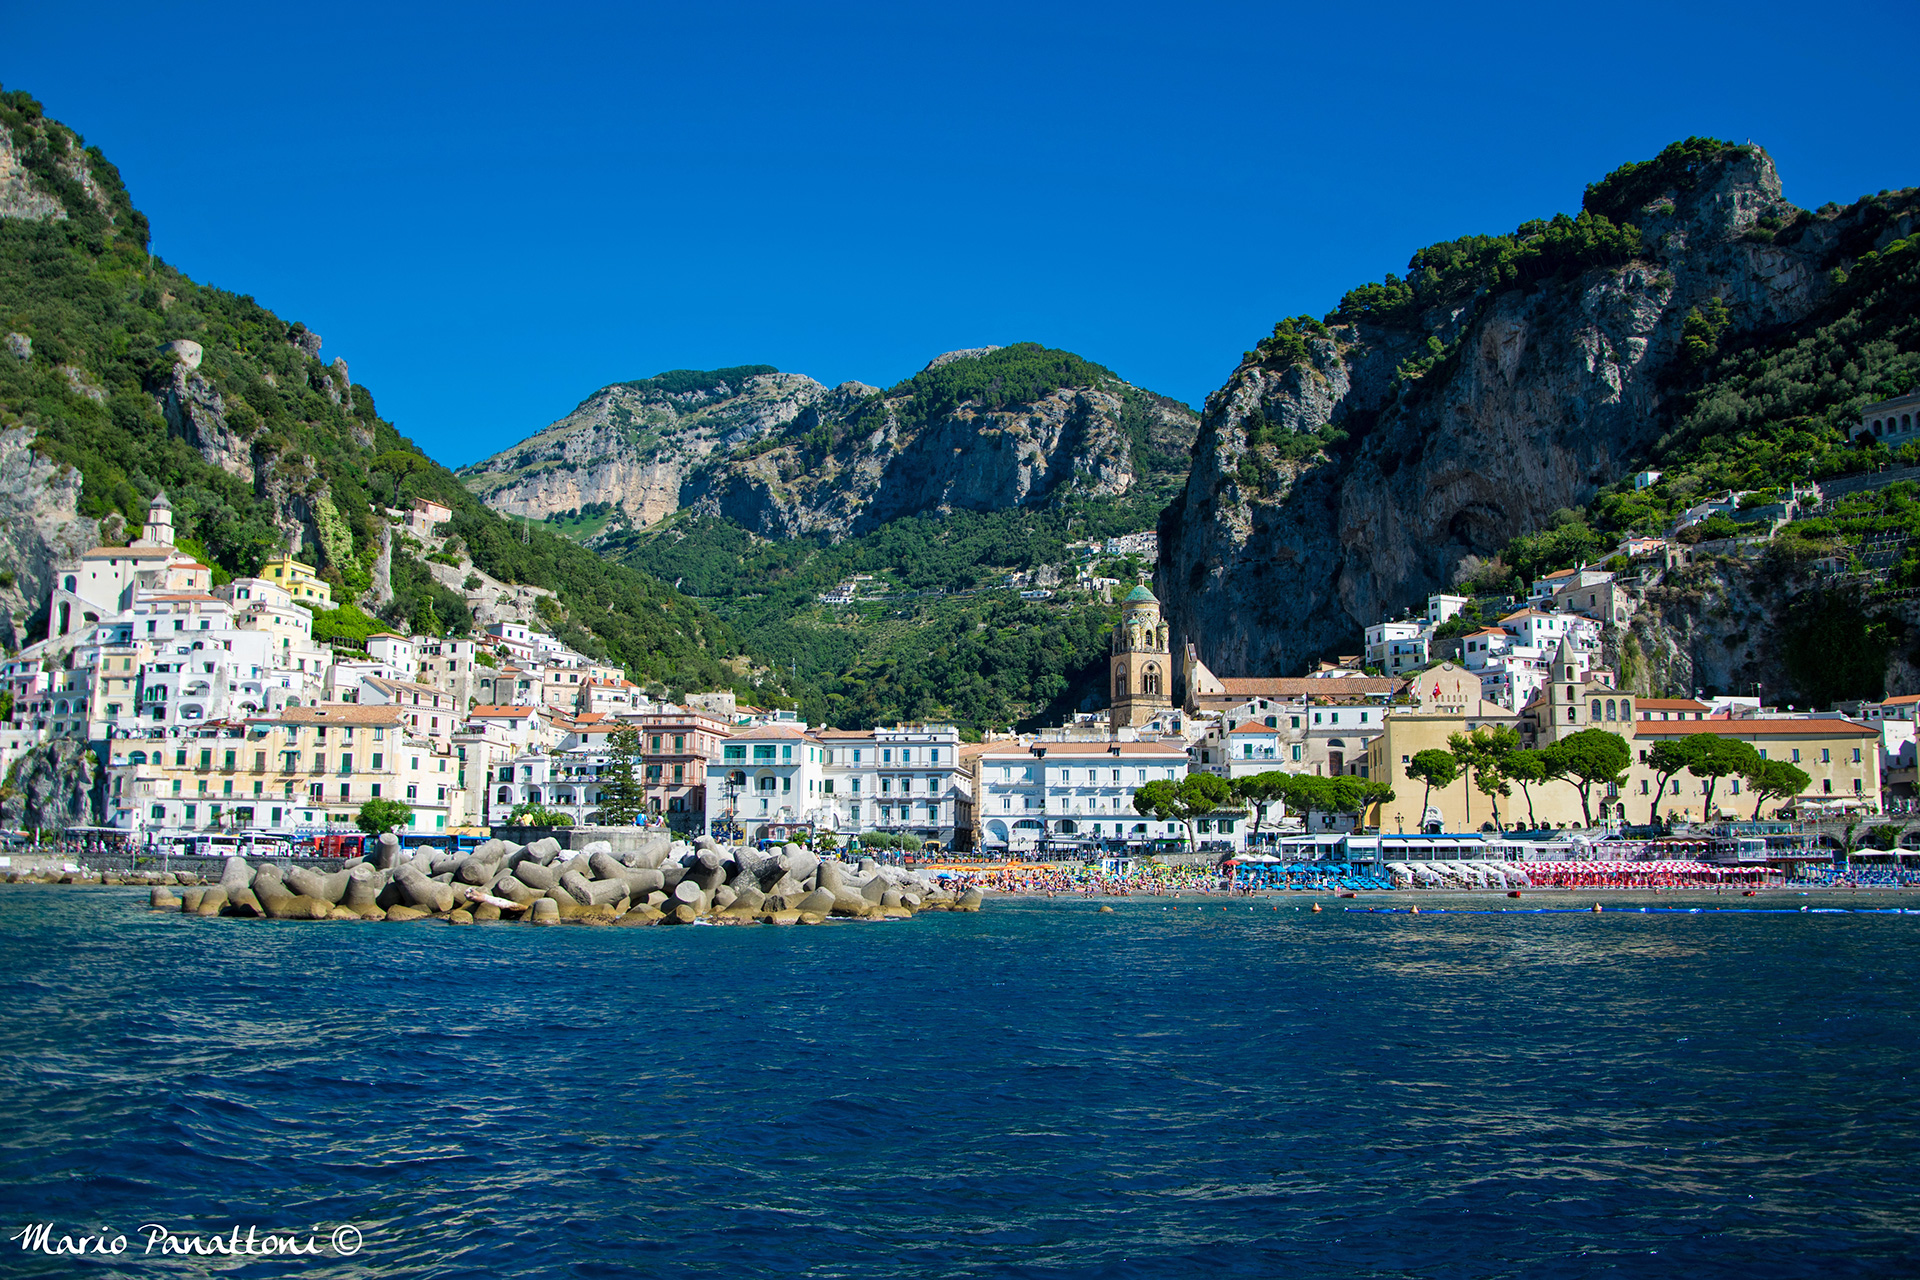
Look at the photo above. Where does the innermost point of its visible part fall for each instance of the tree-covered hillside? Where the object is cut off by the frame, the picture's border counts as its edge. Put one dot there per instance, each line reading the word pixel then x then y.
pixel 259 446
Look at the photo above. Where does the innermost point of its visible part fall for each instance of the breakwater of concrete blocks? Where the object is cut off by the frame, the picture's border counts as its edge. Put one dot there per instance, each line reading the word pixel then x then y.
pixel 659 881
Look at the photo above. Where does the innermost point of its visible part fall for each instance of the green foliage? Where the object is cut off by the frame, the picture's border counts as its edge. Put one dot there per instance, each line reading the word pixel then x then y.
pixel 93 301
pixel 346 625
pixel 622 795
pixel 376 816
pixel 1589 758
pixel 1567 540
pixel 1536 251
pixel 1678 169
pixel 694 382
pixel 1774 780
pixel 1194 796
pixel 987 660
pixel 1013 375
pixel 1700 331
pixel 1528 768
pixel 1434 768
pixel 1483 755
pixel 528 813
pixel 1835 649
pixel 1717 757
pixel 1288 343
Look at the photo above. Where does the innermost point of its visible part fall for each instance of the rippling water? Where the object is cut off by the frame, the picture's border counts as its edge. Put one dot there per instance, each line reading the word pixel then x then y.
pixel 1036 1090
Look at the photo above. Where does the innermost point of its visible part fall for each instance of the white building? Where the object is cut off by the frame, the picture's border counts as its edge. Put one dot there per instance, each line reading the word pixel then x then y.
pixel 1391 645
pixel 1441 608
pixel 1079 791
pixel 906 778
pixel 775 777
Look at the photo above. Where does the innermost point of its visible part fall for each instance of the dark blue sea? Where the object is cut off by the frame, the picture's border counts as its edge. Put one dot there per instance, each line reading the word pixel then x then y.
pixel 1037 1090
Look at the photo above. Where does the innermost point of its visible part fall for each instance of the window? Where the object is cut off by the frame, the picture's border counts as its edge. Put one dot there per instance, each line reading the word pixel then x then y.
pixel 763 751
pixel 1796 755
pixel 786 755
pixel 656 742
pixel 679 773
pixel 1826 756
pixel 734 753
pixel 856 786
pixel 679 742
pixel 378 757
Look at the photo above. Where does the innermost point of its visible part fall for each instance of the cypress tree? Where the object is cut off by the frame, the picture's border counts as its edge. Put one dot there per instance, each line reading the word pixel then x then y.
pixel 622 797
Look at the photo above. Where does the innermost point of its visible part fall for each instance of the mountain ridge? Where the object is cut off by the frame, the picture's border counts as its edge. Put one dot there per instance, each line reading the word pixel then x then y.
pixel 1352 465
pixel 783 455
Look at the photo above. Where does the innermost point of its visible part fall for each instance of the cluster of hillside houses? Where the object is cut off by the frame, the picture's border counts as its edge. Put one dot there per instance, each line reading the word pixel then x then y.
pixel 213 709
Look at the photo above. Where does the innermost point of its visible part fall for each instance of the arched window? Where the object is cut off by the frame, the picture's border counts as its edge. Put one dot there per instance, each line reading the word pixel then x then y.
pixel 66 616
pixel 1069 828
pixel 1876 426
pixel 1611 708
pixel 767 782
pixel 1150 682
pixel 1120 680
pixel 70 582
pixel 1626 709
pixel 138 757
pixel 506 794
pixel 1596 708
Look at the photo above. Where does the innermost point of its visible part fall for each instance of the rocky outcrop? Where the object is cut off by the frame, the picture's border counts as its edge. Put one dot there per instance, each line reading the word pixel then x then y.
pixel 40 527
pixel 1466 423
pixel 786 456
pixel 195 412
pixel 885 463
pixel 51 785
pixel 632 445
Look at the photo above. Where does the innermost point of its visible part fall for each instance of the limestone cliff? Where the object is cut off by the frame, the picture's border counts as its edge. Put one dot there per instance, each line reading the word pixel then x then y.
pixel 631 445
pixel 854 463
pixel 1347 469
pixel 985 429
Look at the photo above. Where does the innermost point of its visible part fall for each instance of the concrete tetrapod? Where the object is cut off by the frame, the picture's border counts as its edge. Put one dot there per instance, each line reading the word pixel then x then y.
pixel 592 886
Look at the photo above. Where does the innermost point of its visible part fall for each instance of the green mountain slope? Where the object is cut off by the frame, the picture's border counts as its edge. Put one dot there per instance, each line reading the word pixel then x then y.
pixel 257 444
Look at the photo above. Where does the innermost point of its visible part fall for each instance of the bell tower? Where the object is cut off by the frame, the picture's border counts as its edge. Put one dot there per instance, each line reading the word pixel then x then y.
pixel 159 527
pixel 1141 666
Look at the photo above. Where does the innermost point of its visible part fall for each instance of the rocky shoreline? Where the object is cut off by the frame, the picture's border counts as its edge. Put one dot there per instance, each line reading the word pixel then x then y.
pixel 662 882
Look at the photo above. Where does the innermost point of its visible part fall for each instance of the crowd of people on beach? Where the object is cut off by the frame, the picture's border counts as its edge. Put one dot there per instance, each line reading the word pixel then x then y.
pixel 1149 878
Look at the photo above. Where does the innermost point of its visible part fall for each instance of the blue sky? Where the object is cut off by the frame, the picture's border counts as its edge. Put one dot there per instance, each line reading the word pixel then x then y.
pixel 492 210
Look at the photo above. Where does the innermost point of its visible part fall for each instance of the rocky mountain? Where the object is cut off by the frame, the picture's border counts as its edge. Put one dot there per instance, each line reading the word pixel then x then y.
pixel 120 376
pixel 1353 465
pixel 989 429
pixel 631 446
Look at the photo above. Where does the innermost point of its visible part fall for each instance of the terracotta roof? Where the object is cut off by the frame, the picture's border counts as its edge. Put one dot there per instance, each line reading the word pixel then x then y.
pixel 769 731
pixel 844 733
pixel 1252 726
pixel 1824 727
pixel 497 710
pixel 1903 700
pixel 336 713
pixel 127 553
pixel 1669 704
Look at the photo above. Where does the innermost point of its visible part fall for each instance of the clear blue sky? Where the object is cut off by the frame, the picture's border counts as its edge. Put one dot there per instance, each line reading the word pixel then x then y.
pixel 491 210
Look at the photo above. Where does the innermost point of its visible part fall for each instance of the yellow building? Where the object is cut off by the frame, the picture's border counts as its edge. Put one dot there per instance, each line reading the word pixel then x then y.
pixel 1840 756
pixel 299 581
pixel 303 767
